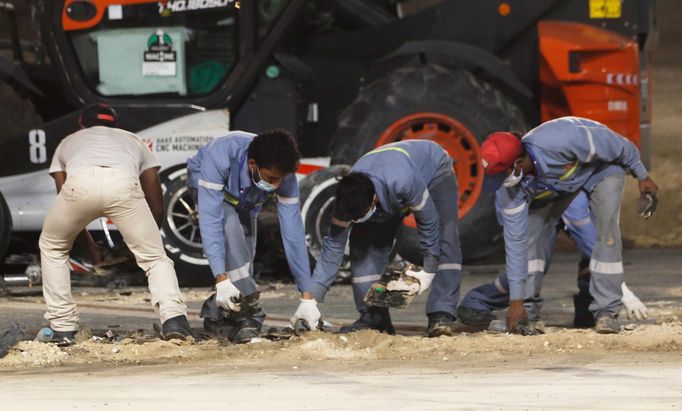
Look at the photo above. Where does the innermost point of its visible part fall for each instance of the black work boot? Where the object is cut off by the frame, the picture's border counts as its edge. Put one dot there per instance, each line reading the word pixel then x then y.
pixel 176 327
pixel 607 324
pixel 376 318
pixel 582 317
pixel 440 323
pixel 475 317
pixel 251 317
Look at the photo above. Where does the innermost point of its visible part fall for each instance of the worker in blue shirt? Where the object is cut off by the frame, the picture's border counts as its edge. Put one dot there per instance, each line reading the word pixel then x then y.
pixel 371 202
pixel 478 304
pixel 233 176
pixel 548 167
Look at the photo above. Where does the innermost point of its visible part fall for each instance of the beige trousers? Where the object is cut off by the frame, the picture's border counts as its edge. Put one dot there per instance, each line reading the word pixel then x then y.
pixel 85 196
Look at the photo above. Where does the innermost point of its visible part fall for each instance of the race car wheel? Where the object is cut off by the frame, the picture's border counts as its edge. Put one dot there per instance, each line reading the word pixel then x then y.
pixel 180 231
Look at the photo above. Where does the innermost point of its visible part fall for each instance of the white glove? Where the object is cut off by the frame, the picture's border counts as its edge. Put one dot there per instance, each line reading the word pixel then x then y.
pixel 425 279
pixel 307 310
pixel 227 295
pixel 633 306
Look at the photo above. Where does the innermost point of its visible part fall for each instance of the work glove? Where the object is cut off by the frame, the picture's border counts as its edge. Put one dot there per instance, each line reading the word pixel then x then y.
pixel 307 310
pixel 227 296
pixel 425 279
pixel 633 306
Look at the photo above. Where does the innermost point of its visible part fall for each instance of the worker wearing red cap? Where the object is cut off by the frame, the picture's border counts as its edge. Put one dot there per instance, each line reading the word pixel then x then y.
pixel 535 179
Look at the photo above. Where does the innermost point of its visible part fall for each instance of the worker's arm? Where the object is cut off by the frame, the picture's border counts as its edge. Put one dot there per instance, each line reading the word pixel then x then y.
pixel 513 207
pixel 331 257
pixel 214 174
pixel 84 238
pixel 151 186
pixel 293 232
pixel 415 195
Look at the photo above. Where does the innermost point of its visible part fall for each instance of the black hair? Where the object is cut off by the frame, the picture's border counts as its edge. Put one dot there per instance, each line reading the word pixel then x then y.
pixel 354 195
pixel 98 114
pixel 275 149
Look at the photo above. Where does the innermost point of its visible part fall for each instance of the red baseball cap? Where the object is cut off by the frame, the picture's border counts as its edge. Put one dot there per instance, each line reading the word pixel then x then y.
pixel 499 152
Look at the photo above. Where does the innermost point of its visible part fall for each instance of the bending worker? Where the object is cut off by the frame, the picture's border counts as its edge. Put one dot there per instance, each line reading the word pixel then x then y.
pixel 548 167
pixel 478 304
pixel 234 175
pixel 99 171
pixel 371 202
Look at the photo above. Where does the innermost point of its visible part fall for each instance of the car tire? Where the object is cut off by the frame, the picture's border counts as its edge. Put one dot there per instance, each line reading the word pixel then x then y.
pixel 180 231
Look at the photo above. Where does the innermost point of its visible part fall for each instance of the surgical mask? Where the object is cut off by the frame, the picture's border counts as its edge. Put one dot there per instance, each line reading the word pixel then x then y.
pixel 366 216
pixel 262 184
pixel 512 179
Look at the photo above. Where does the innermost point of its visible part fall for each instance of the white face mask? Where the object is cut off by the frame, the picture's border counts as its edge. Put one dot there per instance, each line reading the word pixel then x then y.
pixel 512 179
pixel 366 216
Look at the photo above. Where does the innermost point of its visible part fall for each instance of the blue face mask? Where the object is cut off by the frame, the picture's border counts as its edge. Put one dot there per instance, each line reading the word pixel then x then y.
pixel 366 216
pixel 262 184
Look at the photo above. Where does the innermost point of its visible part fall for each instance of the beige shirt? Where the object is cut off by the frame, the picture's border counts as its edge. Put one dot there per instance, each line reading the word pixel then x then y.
pixel 103 147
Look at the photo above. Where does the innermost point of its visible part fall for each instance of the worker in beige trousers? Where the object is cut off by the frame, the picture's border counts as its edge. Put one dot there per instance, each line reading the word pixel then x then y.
pixel 102 170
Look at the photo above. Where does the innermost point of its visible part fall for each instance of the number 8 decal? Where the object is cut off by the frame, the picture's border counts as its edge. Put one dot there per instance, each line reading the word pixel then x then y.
pixel 37 152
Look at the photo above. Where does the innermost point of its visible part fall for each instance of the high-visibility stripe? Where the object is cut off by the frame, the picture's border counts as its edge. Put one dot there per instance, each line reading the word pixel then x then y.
pixel 287 200
pixel 515 210
pixel 578 223
pixel 211 186
pixel 543 195
pixel 240 273
pixel 450 266
pixel 590 140
pixel 499 287
pixel 601 267
pixel 536 266
pixel 365 279
pixel 382 149
pixel 422 204
pixel 570 172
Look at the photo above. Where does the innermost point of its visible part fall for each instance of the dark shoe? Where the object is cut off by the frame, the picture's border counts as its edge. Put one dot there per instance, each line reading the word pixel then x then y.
pixel 440 323
pixel 474 317
pixel 607 324
pixel 64 338
pixel 251 317
pixel 582 317
pixel 376 318
pixel 176 327
pixel 248 329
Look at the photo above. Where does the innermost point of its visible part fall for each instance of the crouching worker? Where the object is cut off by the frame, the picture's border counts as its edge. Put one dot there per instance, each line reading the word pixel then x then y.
pixel 536 178
pixel 371 202
pixel 234 175
pixel 100 171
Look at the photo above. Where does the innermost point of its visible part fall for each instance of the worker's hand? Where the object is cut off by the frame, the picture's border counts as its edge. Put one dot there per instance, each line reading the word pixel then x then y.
pixel 425 279
pixel 307 310
pixel 227 295
pixel 633 305
pixel 515 314
pixel 648 186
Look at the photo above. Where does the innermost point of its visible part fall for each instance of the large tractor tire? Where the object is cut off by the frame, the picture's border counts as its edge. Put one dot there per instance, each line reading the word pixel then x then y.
pixel 450 107
pixel 317 204
pixel 180 231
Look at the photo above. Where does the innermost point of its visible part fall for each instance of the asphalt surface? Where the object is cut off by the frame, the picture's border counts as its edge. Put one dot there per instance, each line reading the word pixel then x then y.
pixel 650 273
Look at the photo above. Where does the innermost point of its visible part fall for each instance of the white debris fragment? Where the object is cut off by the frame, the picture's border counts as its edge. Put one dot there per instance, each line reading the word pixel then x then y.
pixel 546 344
pixel 116 350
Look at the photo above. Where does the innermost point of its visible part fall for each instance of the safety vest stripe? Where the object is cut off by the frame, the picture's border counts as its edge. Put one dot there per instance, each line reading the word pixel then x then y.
pixel 570 172
pixel 382 149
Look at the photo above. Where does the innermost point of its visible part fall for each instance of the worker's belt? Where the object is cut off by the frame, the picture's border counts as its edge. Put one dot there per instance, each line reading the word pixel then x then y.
pixel 241 203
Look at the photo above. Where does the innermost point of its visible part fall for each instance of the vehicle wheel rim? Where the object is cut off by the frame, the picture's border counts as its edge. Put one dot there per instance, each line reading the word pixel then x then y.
pixel 182 217
pixel 456 139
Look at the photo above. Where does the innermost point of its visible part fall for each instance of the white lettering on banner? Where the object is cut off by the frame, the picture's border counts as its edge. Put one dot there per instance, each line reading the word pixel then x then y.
pixel 37 152
pixel 189 5
pixel 181 143
pixel 622 78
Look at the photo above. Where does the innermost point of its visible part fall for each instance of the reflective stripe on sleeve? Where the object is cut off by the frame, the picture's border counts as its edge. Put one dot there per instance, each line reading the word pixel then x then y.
pixel 211 186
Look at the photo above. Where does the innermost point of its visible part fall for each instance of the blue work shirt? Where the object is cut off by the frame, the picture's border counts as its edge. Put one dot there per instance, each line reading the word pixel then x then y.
pixel 220 167
pixel 569 154
pixel 401 173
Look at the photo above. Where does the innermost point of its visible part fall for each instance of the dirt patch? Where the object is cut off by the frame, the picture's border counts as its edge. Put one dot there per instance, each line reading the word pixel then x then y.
pixel 349 348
